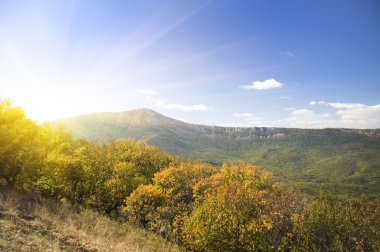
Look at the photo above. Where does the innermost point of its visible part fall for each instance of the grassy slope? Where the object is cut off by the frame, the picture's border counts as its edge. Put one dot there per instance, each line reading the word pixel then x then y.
pixel 29 223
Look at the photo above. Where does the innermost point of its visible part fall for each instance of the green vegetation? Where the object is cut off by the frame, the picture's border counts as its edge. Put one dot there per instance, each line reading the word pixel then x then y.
pixel 201 207
pixel 333 225
pixel 343 160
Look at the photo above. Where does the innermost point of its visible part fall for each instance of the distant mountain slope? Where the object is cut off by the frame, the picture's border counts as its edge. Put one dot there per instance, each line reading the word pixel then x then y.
pixel 347 160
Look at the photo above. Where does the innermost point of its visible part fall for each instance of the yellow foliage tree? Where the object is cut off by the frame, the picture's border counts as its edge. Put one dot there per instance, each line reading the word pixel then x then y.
pixel 175 185
pixel 239 211
pixel 19 154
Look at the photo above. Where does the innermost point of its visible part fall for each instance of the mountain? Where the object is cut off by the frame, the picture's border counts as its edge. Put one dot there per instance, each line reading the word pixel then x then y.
pixel 345 160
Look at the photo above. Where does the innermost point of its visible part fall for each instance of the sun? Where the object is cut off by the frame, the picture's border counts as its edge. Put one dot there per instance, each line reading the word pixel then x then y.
pixel 44 100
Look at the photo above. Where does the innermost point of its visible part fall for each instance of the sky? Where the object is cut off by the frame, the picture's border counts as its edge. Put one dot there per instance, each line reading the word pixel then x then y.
pixel 304 64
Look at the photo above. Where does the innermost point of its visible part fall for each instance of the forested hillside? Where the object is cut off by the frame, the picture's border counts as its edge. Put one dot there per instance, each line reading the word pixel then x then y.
pixel 345 160
pixel 238 207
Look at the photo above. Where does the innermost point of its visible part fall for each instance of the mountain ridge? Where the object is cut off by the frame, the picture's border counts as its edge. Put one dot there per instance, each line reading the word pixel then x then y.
pixel 142 116
pixel 344 160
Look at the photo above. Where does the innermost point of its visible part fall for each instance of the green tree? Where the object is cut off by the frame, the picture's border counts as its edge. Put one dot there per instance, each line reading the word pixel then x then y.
pixel 331 224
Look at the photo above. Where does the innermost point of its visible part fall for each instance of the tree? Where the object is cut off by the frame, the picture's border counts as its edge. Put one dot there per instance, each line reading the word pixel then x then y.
pixel 143 203
pixel 18 139
pixel 175 186
pixel 331 224
pixel 239 212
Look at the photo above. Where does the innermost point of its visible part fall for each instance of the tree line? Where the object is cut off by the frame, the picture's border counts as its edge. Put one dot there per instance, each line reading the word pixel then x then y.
pixel 236 207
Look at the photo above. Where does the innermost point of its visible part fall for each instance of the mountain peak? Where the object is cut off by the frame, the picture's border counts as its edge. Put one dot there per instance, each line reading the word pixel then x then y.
pixel 142 110
pixel 146 115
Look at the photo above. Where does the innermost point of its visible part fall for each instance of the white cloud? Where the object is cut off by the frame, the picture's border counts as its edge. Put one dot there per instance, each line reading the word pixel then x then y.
pixel 339 105
pixel 148 91
pixel 243 115
pixel 317 103
pixel 285 97
pixel 360 116
pixel 263 85
pixel 246 120
pixel 346 115
pixel 305 118
pixel 196 107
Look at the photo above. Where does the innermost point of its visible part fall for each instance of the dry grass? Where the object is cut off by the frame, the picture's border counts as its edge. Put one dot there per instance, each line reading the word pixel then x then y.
pixel 29 223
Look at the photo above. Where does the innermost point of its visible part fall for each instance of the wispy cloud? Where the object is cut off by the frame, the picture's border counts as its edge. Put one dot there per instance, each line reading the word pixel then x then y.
pixel 243 115
pixel 245 120
pixel 148 91
pixel 182 107
pixel 338 105
pixel 288 53
pixel 249 118
pixel 144 36
pixel 263 85
pixel 284 97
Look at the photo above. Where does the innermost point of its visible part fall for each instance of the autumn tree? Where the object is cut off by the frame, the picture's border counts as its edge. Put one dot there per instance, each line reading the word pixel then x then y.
pixel 173 187
pixel 142 204
pixel 18 149
pixel 129 163
pixel 58 148
pixel 239 211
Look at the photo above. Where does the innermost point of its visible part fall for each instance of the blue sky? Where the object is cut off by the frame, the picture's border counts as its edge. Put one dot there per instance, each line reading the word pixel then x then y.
pixel 309 64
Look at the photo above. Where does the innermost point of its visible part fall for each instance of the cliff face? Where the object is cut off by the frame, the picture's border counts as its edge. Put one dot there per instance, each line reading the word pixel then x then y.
pixel 249 133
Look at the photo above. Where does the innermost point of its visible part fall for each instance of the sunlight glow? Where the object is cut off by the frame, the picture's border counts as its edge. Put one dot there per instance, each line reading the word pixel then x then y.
pixel 51 81
pixel 67 58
